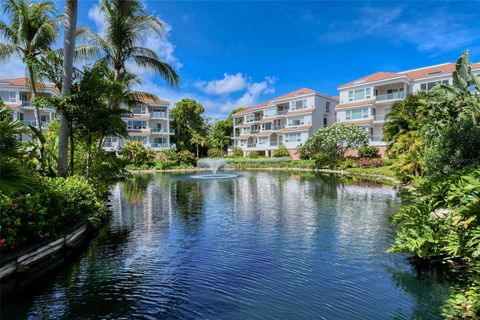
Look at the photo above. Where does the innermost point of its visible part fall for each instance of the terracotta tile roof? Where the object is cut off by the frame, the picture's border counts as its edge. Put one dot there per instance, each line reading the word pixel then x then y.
pixel 420 73
pixel 377 76
pixel 446 68
pixel 158 101
pixel 295 93
pixel 23 82
pixel 299 128
pixel 355 104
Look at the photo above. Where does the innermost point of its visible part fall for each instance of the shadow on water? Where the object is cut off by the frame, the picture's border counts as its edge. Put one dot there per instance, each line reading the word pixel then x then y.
pixel 135 188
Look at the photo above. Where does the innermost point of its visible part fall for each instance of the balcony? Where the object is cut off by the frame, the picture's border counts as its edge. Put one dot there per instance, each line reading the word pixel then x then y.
pixel 159 115
pixel 249 131
pixel 159 130
pixel 278 128
pixel 161 145
pixel 380 118
pixel 391 96
pixel 251 145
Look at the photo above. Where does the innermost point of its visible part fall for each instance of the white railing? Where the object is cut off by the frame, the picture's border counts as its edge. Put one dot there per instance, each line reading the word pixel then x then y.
pixel 159 115
pixel 376 138
pixel 161 145
pixel 379 118
pixel 391 96
pixel 251 145
pixel 159 130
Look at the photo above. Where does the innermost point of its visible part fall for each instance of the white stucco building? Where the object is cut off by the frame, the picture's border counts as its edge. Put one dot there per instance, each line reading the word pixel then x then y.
pixel 368 100
pixel 289 120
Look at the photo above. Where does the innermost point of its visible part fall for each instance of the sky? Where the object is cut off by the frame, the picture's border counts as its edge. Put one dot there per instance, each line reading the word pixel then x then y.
pixel 234 54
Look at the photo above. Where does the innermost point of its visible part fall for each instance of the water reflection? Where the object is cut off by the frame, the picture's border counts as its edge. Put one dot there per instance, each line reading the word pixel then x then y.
pixel 265 246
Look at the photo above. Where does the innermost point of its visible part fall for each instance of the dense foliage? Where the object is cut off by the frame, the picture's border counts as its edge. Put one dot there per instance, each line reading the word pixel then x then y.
pixel 281 152
pixel 436 136
pixel 334 141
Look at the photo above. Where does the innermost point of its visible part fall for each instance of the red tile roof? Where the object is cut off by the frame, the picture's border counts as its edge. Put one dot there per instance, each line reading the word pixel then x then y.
pixel 24 82
pixel 303 91
pixel 157 101
pixel 414 74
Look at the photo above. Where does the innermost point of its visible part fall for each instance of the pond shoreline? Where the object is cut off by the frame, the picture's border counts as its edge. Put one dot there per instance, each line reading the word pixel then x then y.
pixel 387 180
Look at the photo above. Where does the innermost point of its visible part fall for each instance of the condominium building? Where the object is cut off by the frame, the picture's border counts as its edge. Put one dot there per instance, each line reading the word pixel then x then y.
pixel 368 100
pixel 149 124
pixel 287 120
pixel 15 94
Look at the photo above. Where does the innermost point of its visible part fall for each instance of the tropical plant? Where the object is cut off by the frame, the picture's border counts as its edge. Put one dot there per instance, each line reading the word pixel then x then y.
pixel 31 32
pixel 368 152
pixel 199 141
pixel 253 154
pixel 335 141
pixel 187 121
pixel 126 24
pixel 216 153
pixel 281 152
pixel 136 153
pixel 237 152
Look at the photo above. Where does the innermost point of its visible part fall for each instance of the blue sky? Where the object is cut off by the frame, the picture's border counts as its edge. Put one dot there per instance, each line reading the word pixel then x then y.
pixel 231 54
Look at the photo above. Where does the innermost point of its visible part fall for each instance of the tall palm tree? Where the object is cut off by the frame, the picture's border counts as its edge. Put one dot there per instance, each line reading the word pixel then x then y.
pixel 199 141
pixel 70 25
pixel 126 22
pixel 31 31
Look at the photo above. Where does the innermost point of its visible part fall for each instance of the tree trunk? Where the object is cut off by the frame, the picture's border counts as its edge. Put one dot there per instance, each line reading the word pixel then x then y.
pixel 197 151
pixel 36 112
pixel 68 49
pixel 72 152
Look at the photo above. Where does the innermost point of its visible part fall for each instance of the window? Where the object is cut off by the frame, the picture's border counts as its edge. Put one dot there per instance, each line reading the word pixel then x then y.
pixel 359 94
pixel 267 126
pixel 325 122
pixel 356 114
pixel 262 140
pixel 293 137
pixel 139 110
pixel 299 104
pixel 243 142
pixel 427 86
pixel 298 121
pixel 136 125
pixel 327 106
pixel 270 112
pixel 20 116
pixel 8 96
pixel 249 118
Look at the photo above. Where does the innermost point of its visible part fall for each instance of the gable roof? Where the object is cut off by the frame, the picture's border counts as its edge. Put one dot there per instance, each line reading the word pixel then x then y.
pixel 24 82
pixel 414 74
pixel 299 92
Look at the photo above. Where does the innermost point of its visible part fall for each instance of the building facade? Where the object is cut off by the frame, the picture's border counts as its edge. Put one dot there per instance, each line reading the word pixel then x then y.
pixel 149 124
pixel 368 100
pixel 15 94
pixel 287 120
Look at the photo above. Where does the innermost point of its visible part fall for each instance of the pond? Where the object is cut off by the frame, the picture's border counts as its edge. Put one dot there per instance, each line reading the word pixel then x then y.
pixel 265 245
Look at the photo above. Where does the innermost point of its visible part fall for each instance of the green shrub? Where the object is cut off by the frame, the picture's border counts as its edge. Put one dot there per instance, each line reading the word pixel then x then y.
pixel 169 154
pixel 136 153
pixel 216 153
pixel 165 164
pixel 281 152
pixel 237 152
pixel 186 157
pixel 346 164
pixel 368 152
pixel 253 154
pixel 369 162
pixel 58 205
pixel 325 160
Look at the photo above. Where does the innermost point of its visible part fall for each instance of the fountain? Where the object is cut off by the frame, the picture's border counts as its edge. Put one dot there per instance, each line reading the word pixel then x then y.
pixel 214 165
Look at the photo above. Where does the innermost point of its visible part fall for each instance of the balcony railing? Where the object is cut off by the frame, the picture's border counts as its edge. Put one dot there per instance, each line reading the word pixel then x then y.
pixel 159 115
pixel 249 131
pixel 379 118
pixel 161 145
pixel 273 143
pixel 376 138
pixel 391 96
pixel 251 145
pixel 159 130
pixel 276 128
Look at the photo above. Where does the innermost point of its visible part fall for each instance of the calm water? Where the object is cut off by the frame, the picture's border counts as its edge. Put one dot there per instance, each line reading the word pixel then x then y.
pixel 261 246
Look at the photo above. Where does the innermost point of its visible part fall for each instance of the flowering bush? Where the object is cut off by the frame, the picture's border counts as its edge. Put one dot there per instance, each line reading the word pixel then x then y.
pixel 368 152
pixel 334 141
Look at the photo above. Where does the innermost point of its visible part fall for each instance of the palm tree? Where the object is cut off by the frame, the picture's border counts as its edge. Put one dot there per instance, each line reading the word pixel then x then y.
pixel 70 25
pixel 126 22
pixel 198 140
pixel 31 32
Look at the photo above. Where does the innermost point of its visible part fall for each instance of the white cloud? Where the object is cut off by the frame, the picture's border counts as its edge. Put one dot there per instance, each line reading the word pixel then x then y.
pixel 438 32
pixel 229 84
pixel 216 106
